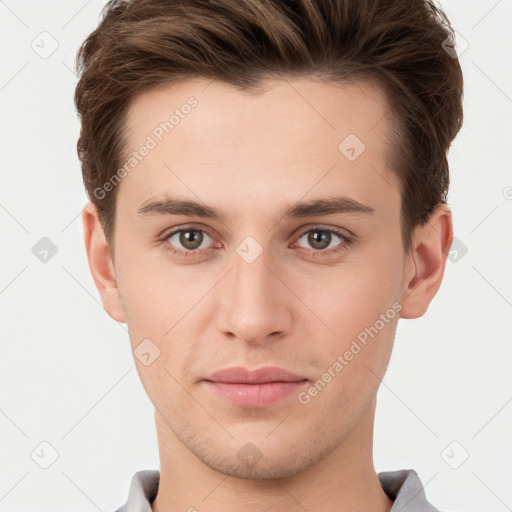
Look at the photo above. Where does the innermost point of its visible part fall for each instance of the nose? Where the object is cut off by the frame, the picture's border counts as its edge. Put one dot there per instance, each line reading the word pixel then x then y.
pixel 254 305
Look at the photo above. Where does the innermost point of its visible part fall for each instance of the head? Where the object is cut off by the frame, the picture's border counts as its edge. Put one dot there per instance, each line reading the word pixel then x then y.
pixel 281 121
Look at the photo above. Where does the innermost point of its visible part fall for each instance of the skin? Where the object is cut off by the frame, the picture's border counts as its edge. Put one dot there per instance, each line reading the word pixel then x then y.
pixel 252 155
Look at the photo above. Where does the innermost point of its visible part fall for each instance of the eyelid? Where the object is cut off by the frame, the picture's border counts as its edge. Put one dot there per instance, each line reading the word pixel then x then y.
pixel 346 241
pixel 183 227
pixel 302 230
pixel 344 232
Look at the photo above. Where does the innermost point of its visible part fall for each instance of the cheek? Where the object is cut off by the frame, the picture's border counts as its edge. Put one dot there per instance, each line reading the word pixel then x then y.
pixel 163 305
pixel 359 305
pixel 155 290
pixel 348 299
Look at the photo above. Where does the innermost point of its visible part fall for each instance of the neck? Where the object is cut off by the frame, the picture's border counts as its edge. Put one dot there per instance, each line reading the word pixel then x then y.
pixel 343 480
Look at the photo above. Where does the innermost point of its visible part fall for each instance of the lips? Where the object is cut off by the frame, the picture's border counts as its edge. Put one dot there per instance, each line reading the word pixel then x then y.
pixel 241 375
pixel 254 388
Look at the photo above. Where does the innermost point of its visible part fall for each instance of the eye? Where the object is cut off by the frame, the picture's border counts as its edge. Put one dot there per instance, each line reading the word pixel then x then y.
pixel 324 241
pixel 186 241
pixel 191 241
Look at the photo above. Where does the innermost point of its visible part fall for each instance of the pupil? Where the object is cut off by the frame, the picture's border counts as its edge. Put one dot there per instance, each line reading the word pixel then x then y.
pixel 323 239
pixel 189 238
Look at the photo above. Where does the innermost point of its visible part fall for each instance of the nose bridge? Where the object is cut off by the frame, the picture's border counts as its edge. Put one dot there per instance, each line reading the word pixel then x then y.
pixel 254 303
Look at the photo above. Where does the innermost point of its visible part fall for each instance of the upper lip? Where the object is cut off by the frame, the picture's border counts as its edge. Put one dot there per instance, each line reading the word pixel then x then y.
pixel 241 375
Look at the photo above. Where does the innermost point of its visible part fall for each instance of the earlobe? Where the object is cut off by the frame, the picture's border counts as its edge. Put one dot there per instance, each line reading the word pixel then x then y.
pixel 427 262
pixel 100 263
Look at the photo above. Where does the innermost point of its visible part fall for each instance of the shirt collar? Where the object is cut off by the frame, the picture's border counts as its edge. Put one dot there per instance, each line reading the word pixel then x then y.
pixel 404 487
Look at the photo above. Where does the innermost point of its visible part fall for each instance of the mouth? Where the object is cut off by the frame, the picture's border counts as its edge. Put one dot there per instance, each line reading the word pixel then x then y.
pixel 254 388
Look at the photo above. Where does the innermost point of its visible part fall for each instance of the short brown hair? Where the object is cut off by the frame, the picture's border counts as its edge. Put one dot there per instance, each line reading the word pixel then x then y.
pixel 399 44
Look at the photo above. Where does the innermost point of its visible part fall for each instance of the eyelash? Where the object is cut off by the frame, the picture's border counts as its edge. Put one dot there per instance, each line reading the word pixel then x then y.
pixel 344 245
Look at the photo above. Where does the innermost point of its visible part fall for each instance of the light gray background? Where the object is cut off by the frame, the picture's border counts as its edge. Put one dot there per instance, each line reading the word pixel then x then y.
pixel 67 374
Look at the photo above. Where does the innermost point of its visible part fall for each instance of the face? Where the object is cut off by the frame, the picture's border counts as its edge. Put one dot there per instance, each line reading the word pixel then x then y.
pixel 292 258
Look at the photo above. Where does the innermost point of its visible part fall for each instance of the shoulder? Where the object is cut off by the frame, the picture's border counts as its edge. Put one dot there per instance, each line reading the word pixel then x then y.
pixel 143 490
pixel 406 490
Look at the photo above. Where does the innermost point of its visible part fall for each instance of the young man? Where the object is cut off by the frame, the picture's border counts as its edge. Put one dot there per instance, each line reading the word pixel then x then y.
pixel 268 186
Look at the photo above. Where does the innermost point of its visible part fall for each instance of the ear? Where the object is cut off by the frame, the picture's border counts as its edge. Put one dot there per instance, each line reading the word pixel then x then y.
pixel 426 262
pixel 100 262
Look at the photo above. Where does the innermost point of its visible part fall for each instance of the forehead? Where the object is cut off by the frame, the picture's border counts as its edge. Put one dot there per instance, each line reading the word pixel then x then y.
pixel 291 136
pixel 298 105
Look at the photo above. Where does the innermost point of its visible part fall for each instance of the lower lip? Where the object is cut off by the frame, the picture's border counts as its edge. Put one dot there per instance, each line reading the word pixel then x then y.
pixel 255 395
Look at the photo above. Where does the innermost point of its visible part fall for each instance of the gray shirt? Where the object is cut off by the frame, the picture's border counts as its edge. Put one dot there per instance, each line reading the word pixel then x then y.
pixel 403 487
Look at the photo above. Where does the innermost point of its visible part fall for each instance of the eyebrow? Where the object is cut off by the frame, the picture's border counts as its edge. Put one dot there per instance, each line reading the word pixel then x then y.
pixel 316 207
